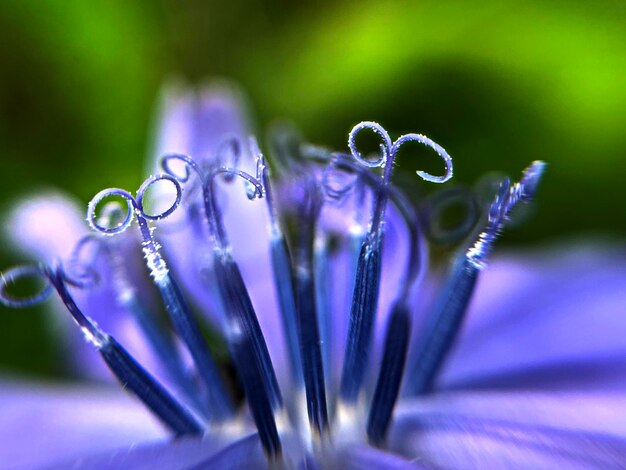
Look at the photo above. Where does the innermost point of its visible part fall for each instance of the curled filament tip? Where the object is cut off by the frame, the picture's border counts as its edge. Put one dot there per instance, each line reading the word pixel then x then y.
pixel 389 150
pixel 434 208
pixel 422 139
pixel 385 146
pixel 14 275
pixel 96 223
pixel 134 206
pixel 229 153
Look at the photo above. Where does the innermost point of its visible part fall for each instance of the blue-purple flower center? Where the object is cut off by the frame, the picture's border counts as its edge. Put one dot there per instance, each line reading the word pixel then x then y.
pixel 300 265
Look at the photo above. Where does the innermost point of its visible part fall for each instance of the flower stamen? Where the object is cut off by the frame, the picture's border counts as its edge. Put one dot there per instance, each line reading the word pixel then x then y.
pixel 174 302
pixel 456 294
pixel 244 335
pixel 125 368
pixel 366 290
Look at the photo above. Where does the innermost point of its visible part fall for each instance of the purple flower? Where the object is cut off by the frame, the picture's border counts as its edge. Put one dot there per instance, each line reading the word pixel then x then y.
pixel 347 351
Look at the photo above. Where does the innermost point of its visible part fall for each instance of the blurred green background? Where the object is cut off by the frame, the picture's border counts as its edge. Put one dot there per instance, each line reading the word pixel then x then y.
pixel 497 83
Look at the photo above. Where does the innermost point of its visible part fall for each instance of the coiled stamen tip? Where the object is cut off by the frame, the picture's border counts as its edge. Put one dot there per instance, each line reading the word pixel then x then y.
pixel 253 187
pixel 148 184
pixel 177 165
pixel 134 206
pixel 337 184
pixel 229 153
pixel 389 150
pixel 22 273
pixel 385 146
pixel 95 219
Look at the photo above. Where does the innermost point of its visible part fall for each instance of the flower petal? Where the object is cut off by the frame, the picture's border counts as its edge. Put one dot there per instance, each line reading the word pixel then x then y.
pixel 368 458
pixel 552 321
pixel 186 453
pixel 46 226
pixel 498 430
pixel 43 423
pixel 195 123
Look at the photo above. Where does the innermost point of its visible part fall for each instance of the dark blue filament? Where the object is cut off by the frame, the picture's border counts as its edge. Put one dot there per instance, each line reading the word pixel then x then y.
pixel 312 310
pixel 283 280
pixel 159 340
pixel 442 329
pixel 237 302
pixel 322 281
pixel 250 353
pixel 281 267
pixel 312 364
pixel 367 284
pixel 391 370
pixel 246 346
pixel 219 405
pixel 362 315
pixel 398 325
pixel 308 326
pixel 128 371
pixel 452 304
pixel 258 400
pixel 125 368
pixel 241 316
pixel 245 338
pixel 165 349
pixel 134 377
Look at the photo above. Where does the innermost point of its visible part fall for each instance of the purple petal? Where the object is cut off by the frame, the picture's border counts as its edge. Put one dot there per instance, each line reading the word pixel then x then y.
pixel 40 424
pixel 497 430
pixel 188 453
pixel 368 458
pixel 195 123
pixel 551 321
pixel 46 226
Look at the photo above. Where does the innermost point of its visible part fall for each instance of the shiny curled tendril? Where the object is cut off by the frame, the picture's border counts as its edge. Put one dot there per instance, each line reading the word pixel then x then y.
pixel 133 205
pixel 331 187
pixel 81 275
pixel 254 188
pixel 390 149
pixel 385 146
pixel 188 162
pixel 229 154
pixel 433 208
pixel 81 270
pixel 40 273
